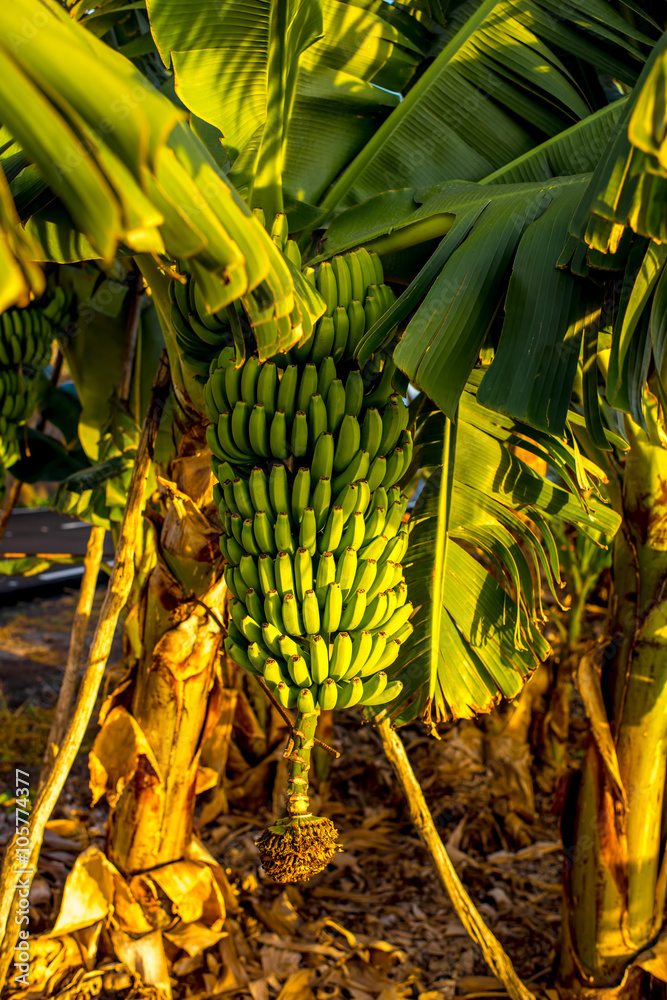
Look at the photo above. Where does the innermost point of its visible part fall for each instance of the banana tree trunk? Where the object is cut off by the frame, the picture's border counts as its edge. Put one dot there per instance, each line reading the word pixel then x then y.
pixel 613 903
pixel 147 754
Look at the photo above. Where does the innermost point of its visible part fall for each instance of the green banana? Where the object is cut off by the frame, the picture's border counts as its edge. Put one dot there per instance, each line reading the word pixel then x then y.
pixel 284 574
pixel 298 669
pixel 341 327
pixel 303 572
pixel 350 693
pixel 376 611
pixel 370 666
pixel 270 636
pixel 258 657
pixel 322 501
pixel 283 533
pixel 317 417
pixel 374 686
pixel 238 655
pixel 306 702
pixel 279 489
pixel 333 531
pixel 267 385
pixel 248 541
pixel 357 469
pixel 335 405
pixel 392 650
pixel 347 499
pixel 258 489
pixel 326 286
pixel 371 432
pixel 324 340
pixel 362 646
pixel 248 570
pixel 357 318
pixel 299 440
pixel 354 393
pixel 231 452
pixel 242 498
pixel 291 615
pixel 343 279
pixel 327 694
pixel 397 620
pixel 273 610
pixel 341 656
pixel 326 375
pixel 323 457
pixel 264 534
pixel 319 659
pixel 278 435
pixel 286 399
pixel 300 494
pixel 308 531
pixel 310 612
pixel 357 277
pixel 326 574
pixel 374 548
pixel 265 570
pixel 353 610
pixel 254 605
pixel 307 387
pixel 347 444
pixel 395 464
pixel 390 693
pixel 233 383
pixel 333 608
pixel 353 536
pixel 346 570
pixel 258 433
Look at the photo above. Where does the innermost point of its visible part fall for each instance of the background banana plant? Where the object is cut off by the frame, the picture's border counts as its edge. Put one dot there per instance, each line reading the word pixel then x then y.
pixel 507 162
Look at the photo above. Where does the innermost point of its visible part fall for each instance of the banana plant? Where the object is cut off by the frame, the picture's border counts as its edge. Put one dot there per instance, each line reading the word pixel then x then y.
pixel 473 158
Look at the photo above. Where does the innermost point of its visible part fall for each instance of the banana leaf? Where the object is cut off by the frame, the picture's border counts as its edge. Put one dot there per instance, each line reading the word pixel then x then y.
pixel 481 544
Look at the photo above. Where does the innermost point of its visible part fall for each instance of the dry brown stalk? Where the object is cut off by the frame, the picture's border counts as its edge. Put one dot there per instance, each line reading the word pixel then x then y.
pixel 75 652
pixel 117 594
pixel 494 954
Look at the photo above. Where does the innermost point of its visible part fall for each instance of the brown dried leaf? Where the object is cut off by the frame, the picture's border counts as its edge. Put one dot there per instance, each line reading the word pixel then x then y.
pixel 193 938
pixel 88 893
pixel 297 986
pixel 115 755
pixel 146 957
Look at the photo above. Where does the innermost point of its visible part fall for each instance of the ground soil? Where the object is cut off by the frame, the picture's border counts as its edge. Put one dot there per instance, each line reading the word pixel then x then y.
pixel 376 923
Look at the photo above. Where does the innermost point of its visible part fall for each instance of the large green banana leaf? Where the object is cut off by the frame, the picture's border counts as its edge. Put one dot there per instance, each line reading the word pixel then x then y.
pixel 504 76
pixel 126 168
pixel 505 241
pixel 629 185
pixel 293 87
pixel 480 545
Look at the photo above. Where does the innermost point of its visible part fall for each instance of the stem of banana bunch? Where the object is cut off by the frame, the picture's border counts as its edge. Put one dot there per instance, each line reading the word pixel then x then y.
pixel 298 753
pixel 117 593
pixel 494 954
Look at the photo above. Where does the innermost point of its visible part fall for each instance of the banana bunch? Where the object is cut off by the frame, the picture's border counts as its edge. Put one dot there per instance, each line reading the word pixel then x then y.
pixel 308 452
pixel 26 338
pixel 266 311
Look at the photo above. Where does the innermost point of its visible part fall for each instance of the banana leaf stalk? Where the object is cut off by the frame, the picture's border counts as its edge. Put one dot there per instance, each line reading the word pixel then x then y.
pixel 614 887
pixel 147 755
pixel 117 594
